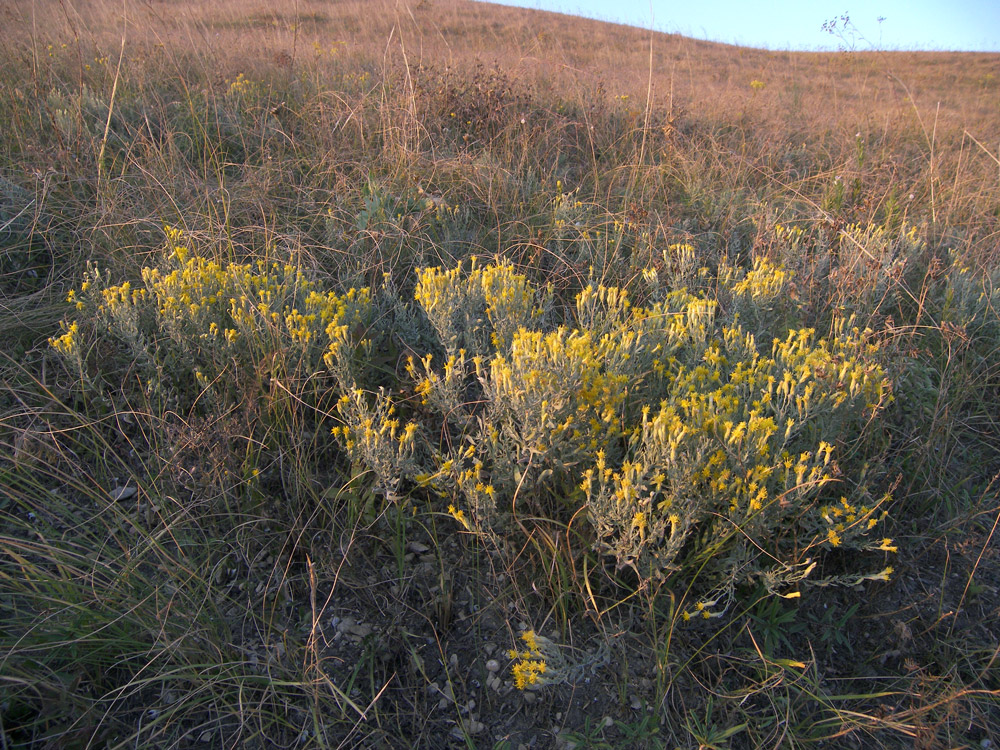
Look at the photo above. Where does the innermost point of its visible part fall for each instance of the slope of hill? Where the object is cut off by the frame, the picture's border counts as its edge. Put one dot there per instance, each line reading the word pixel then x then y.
pixel 442 374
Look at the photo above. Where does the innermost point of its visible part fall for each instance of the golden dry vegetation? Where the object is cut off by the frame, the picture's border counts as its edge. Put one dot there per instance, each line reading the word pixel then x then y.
pixel 441 374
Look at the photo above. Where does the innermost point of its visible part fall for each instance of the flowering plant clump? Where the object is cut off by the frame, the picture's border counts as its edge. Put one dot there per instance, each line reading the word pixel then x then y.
pixel 872 271
pixel 241 86
pixel 373 434
pixel 688 445
pixel 529 665
pixel 200 329
pixel 539 661
pixel 691 446
pixel 877 269
pixel 478 311
pixel 734 455
pixel 762 297
pixel 969 306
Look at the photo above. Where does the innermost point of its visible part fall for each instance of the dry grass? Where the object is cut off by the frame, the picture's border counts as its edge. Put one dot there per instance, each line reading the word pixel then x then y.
pixel 258 591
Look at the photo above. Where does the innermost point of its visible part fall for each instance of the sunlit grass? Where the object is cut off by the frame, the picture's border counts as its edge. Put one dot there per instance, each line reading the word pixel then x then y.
pixel 447 375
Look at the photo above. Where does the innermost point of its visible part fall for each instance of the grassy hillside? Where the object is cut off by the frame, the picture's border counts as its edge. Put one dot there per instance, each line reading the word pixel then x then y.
pixel 440 374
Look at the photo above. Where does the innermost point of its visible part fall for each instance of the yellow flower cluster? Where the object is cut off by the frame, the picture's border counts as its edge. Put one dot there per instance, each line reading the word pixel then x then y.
pixel 847 521
pixel 459 515
pixel 446 390
pixel 601 309
pixel 242 86
pixel 707 609
pixel 207 316
pixel 529 663
pixel 762 284
pixel 256 303
pixel 739 440
pixel 570 216
pixel 873 263
pixel 763 296
pixel 681 258
pixel 249 301
pixel 372 433
pixel 478 310
pixel 876 237
pixel 791 234
pixel 68 344
pixel 561 391
pixel 731 448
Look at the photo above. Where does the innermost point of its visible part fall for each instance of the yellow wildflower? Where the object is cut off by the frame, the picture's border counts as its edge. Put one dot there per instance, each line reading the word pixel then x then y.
pixel 459 515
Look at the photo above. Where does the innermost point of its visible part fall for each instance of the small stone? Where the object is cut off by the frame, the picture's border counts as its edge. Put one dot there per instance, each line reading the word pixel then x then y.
pixel 121 494
pixel 636 703
pixel 353 629
pixel 345 623
pixel 475 727
pixel 529 697
pixel 416 547
pixel 360 631
pixel 607 722
pixel 206 736
pixel 492 666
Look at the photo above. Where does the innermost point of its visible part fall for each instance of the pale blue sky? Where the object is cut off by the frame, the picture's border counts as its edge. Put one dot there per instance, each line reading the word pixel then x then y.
pixel 797 24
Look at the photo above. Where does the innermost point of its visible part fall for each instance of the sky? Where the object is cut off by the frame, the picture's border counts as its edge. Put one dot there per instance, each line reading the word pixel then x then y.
pixel 968 25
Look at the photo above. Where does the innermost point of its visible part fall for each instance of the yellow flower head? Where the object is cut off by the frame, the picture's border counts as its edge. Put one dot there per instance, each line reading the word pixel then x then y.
pixel 531 641
pixel 527 673
pixel 459 515
pixel 886 546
